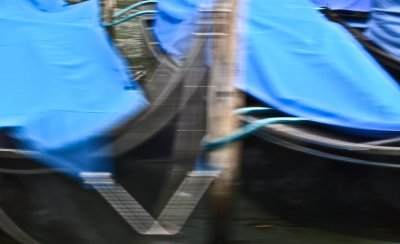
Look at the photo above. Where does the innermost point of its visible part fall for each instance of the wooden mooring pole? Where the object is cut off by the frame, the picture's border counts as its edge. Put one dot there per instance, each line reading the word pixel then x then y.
pixel 223 99
pixel 108 11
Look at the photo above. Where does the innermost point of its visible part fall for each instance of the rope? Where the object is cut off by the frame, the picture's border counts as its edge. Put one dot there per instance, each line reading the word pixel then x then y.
pixel 328 155
pixel 255 126
pixel 133 6
pixel 245 131
pixel 253 110
pixel 129 17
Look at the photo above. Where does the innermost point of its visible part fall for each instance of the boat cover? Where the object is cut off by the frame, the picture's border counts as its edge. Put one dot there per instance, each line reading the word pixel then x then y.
pixel 352 5
pixel 174 24
pixel 297 61
pixel 384 25
pixel 63 85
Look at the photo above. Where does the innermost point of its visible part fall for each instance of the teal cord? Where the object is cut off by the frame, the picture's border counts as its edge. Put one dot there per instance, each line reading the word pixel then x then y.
pixel 129 17
pixel 253 110
pixel 133 6
pixel 245 131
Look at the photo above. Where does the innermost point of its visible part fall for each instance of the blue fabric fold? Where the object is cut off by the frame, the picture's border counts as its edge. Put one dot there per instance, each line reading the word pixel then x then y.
pixel 63 84
pixel 352 5
pixel 384 26
pixel 175 23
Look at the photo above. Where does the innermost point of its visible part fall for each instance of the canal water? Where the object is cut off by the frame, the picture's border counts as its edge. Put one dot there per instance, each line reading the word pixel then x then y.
pixel 290 199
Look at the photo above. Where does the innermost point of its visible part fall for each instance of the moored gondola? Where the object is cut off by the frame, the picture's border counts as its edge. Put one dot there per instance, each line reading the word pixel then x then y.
pixel 308 164
pixel 56 207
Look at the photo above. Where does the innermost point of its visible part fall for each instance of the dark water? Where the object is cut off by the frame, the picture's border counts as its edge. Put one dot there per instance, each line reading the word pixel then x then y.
pixel 279 198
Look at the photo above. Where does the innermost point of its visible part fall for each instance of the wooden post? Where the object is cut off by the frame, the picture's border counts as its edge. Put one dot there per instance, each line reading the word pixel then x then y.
pixel 108 11
pixel 223 98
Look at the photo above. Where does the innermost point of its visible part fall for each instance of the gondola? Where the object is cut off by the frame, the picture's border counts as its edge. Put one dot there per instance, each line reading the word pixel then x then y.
pixel 57 208
pixel 333 139
pixel 314 169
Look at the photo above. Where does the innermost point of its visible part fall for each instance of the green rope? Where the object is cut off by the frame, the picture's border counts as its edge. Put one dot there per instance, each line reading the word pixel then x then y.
pixel 129 17
pixel 245 131
pixel 133 6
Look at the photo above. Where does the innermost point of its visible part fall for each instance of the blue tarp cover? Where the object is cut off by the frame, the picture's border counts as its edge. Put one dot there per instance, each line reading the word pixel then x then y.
pixel 297 61
pixel 384 25
pixel 353 5
pixel 62 82
pixel 175 22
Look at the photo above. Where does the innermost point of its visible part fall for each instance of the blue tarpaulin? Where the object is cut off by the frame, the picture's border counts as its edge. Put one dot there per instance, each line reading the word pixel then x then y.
pixel 384 25
pixel 292 58
pixel 353 5
pixel 175 22
pixel 302 64
pixel 63 85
